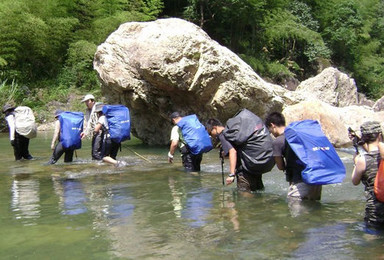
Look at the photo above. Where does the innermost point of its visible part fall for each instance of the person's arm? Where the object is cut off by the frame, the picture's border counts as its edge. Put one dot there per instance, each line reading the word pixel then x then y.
pixel 174 143
pixel 55 134
pixel 381 149
pixel 172 149
pixel 97 127
pixel 279 160
pixel 232 166
pixel 358 170
pixel 12 127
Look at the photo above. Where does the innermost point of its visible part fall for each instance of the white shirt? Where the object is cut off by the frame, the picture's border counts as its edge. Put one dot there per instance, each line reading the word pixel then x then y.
pixel 177 136
pixel 12 127
pixel 91 120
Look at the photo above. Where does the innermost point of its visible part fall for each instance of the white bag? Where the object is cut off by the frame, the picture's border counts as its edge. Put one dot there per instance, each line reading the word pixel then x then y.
pixel 25 122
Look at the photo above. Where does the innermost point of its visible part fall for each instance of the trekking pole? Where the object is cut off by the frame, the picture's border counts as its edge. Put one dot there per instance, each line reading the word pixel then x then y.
pixel 222 165
pixel 76 154
pixel 139 155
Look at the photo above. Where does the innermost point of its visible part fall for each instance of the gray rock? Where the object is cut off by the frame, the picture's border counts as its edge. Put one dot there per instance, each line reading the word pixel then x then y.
pixel 330 86
pixel 169 65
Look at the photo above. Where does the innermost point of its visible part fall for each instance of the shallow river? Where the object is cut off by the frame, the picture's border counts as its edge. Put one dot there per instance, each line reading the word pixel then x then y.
pixel 153 210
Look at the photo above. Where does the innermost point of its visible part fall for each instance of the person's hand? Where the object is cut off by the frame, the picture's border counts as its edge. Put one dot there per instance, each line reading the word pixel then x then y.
pixel 230 180
pixel 82 135
pixel 52 147
pixel 13 142
pixel 170 157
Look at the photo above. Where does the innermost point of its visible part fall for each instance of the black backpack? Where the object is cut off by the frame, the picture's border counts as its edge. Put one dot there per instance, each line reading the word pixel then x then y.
pixel 252 141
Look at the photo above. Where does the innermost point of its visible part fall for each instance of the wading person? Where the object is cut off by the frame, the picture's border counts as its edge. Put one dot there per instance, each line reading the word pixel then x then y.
pixel 248 144
pixel 366 166
pixel 20 139
pixel 90 121
pixel 67 134
pixel 110 144
pixel 192 139
pixel 287 161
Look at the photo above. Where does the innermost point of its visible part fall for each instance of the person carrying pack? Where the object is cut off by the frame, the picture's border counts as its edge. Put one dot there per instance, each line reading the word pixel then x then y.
pixel 247 142
pixel 114 124
pixel 90 120
pixel 365 171
pixel 22 127
pixel 305 154
pixel 68 129
pixel 192 138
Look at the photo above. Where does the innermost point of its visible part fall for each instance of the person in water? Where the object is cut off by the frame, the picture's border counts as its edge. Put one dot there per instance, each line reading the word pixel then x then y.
pixel 19 142
pixel 286 160
pixel 191 162
pixel 366 166
pixel 57 148
pixel 109 148
pixel 90 120
pixel 247 181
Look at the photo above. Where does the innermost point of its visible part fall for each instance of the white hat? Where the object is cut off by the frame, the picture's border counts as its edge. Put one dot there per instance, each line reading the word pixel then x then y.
pixel 88 97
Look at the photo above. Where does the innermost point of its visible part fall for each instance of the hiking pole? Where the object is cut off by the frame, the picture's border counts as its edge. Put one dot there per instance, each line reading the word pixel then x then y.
pixel 222 165
pixel 139 155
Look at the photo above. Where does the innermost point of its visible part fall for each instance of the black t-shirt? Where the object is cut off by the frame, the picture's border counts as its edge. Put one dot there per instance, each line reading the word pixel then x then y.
pixel 226 146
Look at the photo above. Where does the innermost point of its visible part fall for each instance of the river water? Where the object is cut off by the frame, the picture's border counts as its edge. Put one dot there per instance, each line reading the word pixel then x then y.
pixel 153 210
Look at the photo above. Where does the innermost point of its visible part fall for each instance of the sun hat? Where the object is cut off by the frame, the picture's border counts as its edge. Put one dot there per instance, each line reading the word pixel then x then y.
pixel 88 97
pixel 98 106
pixel 370 127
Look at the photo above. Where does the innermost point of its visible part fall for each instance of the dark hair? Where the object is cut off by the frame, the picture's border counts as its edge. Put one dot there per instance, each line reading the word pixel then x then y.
pixel 211 123
pixel 369 138
pixel 275 118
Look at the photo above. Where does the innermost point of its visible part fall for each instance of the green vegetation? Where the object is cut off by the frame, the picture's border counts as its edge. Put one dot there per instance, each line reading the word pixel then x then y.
pixel 47 47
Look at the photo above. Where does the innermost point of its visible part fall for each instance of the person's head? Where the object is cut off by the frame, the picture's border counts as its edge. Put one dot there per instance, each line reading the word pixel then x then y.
pixel 88 100
pixel 370 131
pixel 57 113
pixel 8 108
pixel 275 122
pixel 175 117
pixel 214 127
pixel 99 108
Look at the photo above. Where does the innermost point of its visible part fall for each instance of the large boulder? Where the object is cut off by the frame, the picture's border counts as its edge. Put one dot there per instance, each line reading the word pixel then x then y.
pixel 330 86
pixel 172 65
pixel 169 65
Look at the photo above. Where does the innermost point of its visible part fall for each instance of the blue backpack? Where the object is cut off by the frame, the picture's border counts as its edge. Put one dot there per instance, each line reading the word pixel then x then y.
pixel 321 163
pixel 119 122
pixel 195 135
pixel 71 125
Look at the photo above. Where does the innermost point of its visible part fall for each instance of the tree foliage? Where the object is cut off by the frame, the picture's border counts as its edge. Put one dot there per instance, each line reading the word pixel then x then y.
pixel 54 40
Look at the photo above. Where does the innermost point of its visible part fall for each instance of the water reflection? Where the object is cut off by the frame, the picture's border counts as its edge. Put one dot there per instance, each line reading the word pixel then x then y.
pixel 197 207
pixel 326 242
pixel 299 207
pixel 71 196
pixel 25 197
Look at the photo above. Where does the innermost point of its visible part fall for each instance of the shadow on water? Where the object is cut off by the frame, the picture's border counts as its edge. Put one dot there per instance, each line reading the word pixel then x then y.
pixel 151 209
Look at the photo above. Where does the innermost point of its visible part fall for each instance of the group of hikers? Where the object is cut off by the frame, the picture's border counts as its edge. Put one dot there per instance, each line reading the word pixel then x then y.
pixel 252 146
pixel 69 129
pixel 300 150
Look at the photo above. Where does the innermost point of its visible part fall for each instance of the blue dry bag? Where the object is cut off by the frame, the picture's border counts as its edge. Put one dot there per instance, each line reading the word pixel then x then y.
pixel 320 159
pixel 71 125
pixel 195 135
pixel 119 122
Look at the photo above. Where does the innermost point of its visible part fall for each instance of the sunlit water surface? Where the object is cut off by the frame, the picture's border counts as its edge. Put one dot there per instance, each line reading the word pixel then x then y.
pixel 153 210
